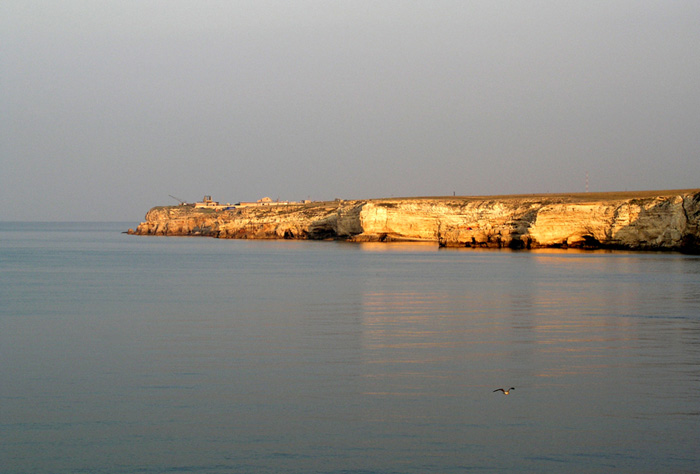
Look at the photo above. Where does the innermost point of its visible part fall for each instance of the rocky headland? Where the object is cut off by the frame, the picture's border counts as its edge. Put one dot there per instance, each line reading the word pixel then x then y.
pixel 647 220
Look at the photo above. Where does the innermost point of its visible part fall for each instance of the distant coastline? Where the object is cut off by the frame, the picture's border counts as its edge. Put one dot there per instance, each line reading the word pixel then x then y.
pixel 633 220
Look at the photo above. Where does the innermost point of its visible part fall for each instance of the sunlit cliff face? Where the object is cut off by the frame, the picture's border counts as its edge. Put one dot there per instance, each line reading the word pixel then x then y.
pixel 666 221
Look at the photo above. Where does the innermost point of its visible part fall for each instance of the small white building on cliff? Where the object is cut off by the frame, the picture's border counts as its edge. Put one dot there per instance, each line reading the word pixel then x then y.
pixel 208 203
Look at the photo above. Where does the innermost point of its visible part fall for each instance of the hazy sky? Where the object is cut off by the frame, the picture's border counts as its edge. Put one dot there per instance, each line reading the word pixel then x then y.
pixel 107 107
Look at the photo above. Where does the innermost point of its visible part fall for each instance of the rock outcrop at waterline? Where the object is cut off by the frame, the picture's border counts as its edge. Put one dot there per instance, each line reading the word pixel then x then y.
pixel 664 220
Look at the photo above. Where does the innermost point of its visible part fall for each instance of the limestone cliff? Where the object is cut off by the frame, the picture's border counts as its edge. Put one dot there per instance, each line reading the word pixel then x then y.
pixel 631 220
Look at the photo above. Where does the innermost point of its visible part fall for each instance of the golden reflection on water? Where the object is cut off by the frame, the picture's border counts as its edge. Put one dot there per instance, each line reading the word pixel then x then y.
pixel 401 335
pixel 557 325
pixel 541 326
pixel 396 246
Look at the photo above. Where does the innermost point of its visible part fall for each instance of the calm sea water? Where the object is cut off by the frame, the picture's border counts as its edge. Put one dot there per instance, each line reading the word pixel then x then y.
pixel 126 354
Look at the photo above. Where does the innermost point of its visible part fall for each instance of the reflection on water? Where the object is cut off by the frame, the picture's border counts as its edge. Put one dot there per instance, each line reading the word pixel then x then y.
pixel 395 247
pixel 126 354
pixel 590 341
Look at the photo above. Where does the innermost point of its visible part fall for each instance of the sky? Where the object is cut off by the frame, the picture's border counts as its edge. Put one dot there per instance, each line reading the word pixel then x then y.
pixel 109 107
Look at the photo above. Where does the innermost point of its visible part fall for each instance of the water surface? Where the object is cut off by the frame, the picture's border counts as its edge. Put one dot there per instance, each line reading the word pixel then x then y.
pixel 136 354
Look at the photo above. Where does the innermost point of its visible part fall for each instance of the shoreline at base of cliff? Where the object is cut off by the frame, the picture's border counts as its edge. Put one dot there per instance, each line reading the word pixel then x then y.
pixel 644 220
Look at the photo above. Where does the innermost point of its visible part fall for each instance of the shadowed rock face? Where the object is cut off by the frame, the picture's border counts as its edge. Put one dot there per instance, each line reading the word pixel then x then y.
pixel 641 221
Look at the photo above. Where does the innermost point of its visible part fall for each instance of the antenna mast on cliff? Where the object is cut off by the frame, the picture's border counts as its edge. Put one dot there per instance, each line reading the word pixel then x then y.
pixel 178 199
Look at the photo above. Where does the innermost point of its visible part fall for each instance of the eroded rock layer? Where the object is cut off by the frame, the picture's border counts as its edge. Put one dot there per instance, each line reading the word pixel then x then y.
pixel 666 220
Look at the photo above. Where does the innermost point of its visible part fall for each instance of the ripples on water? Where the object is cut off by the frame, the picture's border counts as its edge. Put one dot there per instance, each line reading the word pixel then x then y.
pixel 133 354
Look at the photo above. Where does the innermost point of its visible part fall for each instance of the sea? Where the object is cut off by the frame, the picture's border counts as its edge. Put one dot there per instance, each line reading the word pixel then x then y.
pixel 134 354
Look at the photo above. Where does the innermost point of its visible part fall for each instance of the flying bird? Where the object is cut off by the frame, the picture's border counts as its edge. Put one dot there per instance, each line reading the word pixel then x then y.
pixel 506 392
